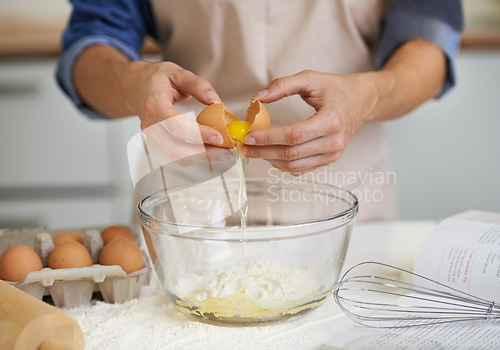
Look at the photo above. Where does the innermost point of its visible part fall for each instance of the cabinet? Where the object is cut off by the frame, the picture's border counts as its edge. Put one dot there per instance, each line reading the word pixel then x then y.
pixel 57 167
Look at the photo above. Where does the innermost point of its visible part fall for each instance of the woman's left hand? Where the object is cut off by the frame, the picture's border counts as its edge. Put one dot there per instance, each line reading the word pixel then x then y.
pixel 342 103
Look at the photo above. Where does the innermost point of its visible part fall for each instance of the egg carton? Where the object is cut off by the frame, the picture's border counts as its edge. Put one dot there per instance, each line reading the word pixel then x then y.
pixel 74 287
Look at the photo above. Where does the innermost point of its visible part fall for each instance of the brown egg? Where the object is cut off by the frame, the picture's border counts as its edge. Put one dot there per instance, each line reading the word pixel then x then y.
pixel 67 236
pixel 232 129
pixel 124 253
pixel 17 261
pixel 111 232
pixel 68 255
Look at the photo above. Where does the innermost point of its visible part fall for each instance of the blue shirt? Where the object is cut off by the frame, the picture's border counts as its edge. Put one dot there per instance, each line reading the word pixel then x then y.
pixel 124 24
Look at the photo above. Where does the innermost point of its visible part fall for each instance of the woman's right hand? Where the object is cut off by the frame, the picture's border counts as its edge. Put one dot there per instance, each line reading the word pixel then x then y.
pixel 110 83
pixel 159 87
pixel 113 85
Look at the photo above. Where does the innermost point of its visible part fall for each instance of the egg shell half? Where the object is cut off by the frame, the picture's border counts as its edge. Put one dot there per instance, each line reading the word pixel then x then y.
pixel 218 116
pixel 258 116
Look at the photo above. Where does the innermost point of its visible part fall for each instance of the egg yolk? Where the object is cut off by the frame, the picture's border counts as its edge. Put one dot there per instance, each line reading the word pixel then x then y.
pixel 238 129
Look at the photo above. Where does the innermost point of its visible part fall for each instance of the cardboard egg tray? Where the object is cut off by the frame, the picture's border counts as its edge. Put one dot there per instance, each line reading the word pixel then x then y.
pixel 74 287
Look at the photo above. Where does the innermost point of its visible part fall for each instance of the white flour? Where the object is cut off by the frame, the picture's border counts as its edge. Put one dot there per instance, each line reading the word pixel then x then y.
pixel 152 322
pixel 267 283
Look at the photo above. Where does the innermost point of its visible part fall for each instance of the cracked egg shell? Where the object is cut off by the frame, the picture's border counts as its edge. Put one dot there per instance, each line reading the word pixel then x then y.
pixel 218 116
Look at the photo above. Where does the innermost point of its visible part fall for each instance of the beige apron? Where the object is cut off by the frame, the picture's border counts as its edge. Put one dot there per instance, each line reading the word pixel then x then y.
pixel 240 46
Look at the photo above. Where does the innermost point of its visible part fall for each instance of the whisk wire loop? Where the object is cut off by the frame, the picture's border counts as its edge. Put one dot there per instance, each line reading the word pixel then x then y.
pixel 419 290
pixel 489 312
pixel 385 302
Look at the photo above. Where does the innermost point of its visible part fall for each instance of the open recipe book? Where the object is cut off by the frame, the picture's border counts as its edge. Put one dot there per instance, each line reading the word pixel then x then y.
pixel 462 252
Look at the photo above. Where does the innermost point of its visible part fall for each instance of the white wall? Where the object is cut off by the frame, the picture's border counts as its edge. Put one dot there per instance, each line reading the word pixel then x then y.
pixel 57 168
pixel 446 154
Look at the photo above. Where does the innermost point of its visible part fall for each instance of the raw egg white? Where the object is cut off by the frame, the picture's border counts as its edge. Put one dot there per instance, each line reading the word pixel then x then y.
pixel 111 232
pixel 232 129
pixel 17 261
pixel 67 236
pixel 69 254
pixel 124 253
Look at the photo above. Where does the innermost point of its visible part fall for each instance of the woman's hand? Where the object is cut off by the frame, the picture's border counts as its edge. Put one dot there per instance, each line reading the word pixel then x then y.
pixel 413 74
pixel 160 85
pixel 342 103
pixel 109 82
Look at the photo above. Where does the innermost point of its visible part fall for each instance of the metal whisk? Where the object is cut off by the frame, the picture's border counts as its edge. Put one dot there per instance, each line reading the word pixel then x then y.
pixel 405 300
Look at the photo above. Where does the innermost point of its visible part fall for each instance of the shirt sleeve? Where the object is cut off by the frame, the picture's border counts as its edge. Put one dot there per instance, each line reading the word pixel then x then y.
pixel 119 24
pixel 439 21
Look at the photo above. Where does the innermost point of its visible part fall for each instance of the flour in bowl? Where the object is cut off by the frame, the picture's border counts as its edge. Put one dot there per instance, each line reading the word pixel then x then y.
pixel 258 289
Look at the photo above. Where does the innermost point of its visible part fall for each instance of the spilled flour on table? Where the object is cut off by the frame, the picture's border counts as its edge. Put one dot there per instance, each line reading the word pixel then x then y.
pixel 153 322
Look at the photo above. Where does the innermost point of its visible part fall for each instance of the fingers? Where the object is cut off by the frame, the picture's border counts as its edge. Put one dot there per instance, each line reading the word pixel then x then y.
pixel 182 128
pixel 176 84
pixel 303 146
pixel 186 129
pixel 297 173
pixel 322 123
pixel 210 135
pixel 286 86
pixel 177 138
pixel 189 84
pixel 341 106
pixel 180 150
pixel 187 154
pixel 326 144
pixel 304 165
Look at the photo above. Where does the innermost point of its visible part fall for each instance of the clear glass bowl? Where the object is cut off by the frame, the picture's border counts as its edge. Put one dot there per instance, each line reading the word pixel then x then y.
pixel 283 263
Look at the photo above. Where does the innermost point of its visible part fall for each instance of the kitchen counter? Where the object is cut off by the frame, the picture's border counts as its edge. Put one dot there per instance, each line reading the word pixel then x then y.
pixel 152 321
pixel 31 28
pixel 486 38
pixel 28 40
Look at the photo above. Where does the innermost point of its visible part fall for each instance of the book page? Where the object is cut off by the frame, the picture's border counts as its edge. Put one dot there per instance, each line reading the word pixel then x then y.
pixel 463 252
pixel 478 335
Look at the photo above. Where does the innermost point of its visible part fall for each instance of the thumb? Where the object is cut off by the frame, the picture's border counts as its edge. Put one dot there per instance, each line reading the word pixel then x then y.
pixel 189 84
pixel 285 86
